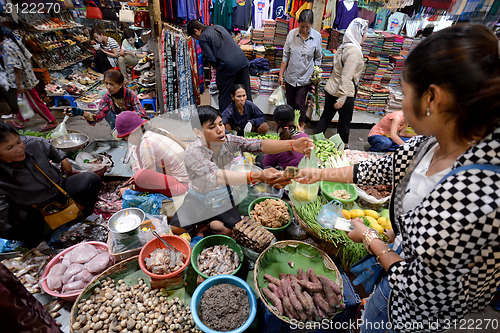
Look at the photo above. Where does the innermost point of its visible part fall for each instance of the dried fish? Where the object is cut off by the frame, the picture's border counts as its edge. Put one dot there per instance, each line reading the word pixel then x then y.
pixel 218 259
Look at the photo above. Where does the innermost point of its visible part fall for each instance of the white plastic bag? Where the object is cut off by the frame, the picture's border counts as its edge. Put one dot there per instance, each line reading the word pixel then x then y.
pixel 24 107
pixel 277 97
pixel 60 129
pixel 248 128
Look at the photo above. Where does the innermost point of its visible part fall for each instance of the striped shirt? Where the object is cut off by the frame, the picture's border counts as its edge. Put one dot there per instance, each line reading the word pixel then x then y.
pixel 156 152
pixel 202 164
pixel 108 47
pixel 131 103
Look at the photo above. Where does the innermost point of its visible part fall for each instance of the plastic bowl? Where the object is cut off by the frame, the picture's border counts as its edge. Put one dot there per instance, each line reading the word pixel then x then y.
pixel 273 230
pixel 195 300
pixel 329 187
pixel 211 241
pixel 69 296
pixel 176 241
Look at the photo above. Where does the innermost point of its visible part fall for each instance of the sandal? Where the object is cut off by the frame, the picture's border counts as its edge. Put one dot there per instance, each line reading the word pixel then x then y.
pixel 48 127
pixel 13 123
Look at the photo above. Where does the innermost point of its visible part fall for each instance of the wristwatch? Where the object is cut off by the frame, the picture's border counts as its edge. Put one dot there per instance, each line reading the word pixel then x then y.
pixel 368 236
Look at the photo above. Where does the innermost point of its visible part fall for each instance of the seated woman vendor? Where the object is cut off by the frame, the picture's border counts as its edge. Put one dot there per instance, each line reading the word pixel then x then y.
pixel 118 99
pixel 209 205
pixel 241 112
pixel 158 159
pixel 23 187
pixel 389 133
pixel 284 116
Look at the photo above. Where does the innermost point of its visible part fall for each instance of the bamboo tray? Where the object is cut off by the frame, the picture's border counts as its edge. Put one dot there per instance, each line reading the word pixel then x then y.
pixel 328 269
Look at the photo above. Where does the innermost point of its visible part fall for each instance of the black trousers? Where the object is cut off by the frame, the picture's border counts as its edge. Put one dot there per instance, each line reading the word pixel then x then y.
pixel 296 97
pixel 225 84
pixel 345 116
pixel 101 61
pixel 11 98
pixel 28 224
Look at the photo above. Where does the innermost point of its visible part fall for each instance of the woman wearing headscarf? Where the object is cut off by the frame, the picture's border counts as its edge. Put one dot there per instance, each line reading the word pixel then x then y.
pixel 341 88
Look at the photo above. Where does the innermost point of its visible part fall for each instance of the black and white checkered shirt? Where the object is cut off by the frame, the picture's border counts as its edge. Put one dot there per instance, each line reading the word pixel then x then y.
pixel 451 239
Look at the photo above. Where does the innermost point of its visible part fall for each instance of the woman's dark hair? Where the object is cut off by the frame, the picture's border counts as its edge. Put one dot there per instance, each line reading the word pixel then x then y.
pixel 5 131
pixel 284 116
pixel 306 16
pixel 194 24
pixel 7 33
pixel 464 59
pixel 427 31
pixel 96 30
pixel 114 75
pixel 129 33
pixel 205 113
pixel 236 87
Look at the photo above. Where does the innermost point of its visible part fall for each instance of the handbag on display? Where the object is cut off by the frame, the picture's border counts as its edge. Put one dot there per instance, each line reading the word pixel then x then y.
pixel 126 14
pixel 56 213
pixel 141 19
pixel 109 12
pixel 93 12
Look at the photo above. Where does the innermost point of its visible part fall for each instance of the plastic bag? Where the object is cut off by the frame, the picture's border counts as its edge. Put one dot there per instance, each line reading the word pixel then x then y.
pixel 60 129
pixel 277 97
pixel 24 107
pixel 329 213
pixel 149 203
pixel 302 194
pixel 248 128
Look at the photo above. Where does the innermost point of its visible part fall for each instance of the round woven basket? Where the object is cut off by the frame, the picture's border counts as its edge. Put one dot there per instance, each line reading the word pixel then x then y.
pixel 327 261
pixel 330 248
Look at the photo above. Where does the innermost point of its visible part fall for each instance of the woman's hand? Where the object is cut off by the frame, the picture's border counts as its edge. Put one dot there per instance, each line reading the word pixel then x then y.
pixel 89 116
pixel 359 228
pixel 280 80
pixel 66 166
pixel 389 233
pixel 20 89
pixel 303 145
pixel 338 105
pixel 308 176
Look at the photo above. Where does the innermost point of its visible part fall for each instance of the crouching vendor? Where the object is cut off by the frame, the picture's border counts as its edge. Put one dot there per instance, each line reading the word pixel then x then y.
pixel 209 205
pixel 27 196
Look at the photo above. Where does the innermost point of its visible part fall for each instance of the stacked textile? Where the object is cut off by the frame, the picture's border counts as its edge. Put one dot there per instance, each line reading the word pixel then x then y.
pixel 259 51
pixel 370 70
pixel 395 101
pixel 381 70
pixel 278 56
pixel 269 30
pixel 405 48
pixel 368 44
pixel 397 61
pixel 325 36
pixel 378 99
pixel 258 36
pixel 397 45
pixel 254 84
pixel 268 82
pixel 362 98
pixel 327 63
pixel 270 54
pixel 281 32
pixel 378 43
pixel 336 38
pixel 248 50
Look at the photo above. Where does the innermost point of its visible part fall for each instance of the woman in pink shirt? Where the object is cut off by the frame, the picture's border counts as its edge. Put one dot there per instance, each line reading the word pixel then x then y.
pixel 389 133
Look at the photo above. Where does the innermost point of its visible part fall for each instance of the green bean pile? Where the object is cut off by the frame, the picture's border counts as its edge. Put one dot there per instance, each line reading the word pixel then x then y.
pixel 324 149
pixel 264 137
pixel 351 252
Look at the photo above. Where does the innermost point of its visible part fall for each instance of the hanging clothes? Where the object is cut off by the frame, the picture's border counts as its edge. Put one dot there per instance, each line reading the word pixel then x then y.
pixel 345 16
pixel 207 4
pixel 242 13
pixel 222 13
pixel 188 9
pixel 330 12
pixel 396 22
pixel 168 9
pixel 260 13
pixel 279 9
pixel 437 4
pixel 367 15
pixel 381 19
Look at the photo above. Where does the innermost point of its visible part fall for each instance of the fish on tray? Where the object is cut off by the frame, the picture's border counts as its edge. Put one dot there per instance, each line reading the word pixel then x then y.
pixel 218 259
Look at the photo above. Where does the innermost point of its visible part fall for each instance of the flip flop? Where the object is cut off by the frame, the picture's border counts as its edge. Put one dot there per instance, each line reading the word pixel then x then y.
pixel 48 127
pixel 13 123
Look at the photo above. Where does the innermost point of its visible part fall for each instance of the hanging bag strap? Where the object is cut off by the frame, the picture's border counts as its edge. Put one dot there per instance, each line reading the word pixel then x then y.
pixel 489 167
pixel 58 187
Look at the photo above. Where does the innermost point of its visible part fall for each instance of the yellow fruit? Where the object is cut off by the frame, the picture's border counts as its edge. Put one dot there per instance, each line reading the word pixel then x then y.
pixel 346 214
pixel 382 221
pixel 302 194
pixel 186 236
pixel 370 219
pixel 388 225
pixel 372 213
pixel 377 227
pixel 356 213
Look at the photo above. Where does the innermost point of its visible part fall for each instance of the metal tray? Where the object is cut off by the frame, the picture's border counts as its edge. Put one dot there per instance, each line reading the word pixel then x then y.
pixel 117 150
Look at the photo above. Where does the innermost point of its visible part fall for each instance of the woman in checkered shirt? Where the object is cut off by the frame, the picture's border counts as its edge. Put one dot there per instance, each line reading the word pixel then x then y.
pixel 449 230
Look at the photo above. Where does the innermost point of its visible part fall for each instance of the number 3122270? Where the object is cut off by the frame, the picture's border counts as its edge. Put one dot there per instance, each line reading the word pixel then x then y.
pixel 33 8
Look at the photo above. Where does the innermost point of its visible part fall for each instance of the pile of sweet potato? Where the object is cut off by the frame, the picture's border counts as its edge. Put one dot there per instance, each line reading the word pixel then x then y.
pixel 304 297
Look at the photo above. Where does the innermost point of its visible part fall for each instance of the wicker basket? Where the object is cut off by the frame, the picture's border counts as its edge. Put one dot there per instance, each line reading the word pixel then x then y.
pixel 120 267
pixel 330 248
pixel 328 262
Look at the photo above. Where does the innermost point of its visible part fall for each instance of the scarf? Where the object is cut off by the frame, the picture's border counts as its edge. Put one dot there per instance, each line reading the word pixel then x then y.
pixel 355 32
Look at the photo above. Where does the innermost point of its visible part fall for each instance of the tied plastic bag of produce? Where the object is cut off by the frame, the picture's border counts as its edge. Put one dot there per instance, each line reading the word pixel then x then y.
pixel 150 203
pixel 25 107
pixel 60 129
pixel 302 194
pixel 277 97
